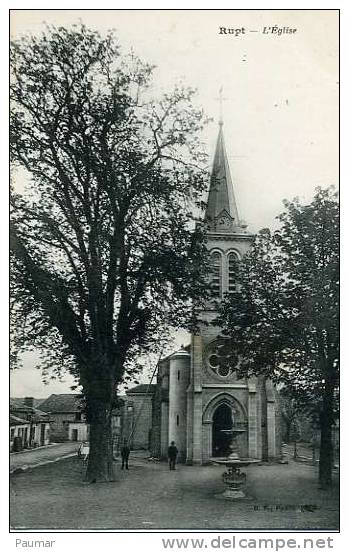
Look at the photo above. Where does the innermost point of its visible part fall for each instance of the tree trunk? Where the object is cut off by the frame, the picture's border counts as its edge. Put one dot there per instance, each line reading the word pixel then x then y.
pixel 264 419
pixel 326 445
pixel 100 460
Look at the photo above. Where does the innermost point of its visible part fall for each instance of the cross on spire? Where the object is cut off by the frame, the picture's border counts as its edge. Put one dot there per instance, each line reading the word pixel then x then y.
pixel 221 99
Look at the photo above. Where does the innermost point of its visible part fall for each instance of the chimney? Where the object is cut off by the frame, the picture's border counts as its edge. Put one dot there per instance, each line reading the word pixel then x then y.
pixel 29 401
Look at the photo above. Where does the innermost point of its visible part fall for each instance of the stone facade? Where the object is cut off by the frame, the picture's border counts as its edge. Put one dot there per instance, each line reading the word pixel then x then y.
pixel 78 431
pixel 59 424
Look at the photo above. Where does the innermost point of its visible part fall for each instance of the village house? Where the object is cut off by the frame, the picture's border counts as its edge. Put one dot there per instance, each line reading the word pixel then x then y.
pixel 68 419
pixel 29 426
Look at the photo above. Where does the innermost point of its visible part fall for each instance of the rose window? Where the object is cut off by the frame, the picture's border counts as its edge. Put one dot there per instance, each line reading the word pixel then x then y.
pixel 220 358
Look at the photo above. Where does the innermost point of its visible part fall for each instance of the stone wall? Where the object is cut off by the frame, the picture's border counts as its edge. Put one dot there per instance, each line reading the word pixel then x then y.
pixel 142 420
pixel 155 438
pixel 159 430
pixel 59 426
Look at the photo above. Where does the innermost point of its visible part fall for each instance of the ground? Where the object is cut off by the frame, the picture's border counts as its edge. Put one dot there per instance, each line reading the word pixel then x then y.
pixel 149 496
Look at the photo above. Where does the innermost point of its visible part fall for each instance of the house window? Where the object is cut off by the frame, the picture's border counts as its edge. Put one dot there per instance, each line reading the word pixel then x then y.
pixel 233 260
pixel 78 416
pixel 177 420
pixel 216 274
pixel 178 375
pixel 12 433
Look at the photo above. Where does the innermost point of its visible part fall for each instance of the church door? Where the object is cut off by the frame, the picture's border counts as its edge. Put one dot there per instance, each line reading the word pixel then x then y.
pixel 222 419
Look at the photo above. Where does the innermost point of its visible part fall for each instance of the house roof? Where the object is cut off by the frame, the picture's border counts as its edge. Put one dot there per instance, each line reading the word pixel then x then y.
pixel 21 401
pixel 16 403
pixel 142 388
pixel 66 402
pixel 17 407
pixel 40 416
pixel 15 420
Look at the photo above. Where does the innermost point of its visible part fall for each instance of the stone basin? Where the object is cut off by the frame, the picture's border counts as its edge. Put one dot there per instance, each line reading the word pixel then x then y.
pixel 234 462
pixel 234 479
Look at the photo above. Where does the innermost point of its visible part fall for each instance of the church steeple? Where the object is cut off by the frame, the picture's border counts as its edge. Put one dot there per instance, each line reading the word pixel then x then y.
pixel 221 204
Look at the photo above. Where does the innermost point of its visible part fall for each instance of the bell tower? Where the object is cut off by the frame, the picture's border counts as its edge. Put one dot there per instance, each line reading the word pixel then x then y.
pixel 227 236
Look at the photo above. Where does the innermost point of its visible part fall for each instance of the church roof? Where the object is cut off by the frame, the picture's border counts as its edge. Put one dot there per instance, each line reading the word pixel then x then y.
pixel 221 203
pixel 180 352
pixel 142 388
pixel 184 350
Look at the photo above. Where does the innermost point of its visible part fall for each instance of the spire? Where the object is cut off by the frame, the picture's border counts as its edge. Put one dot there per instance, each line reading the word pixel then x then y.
pixel 221 200
pixel 221 100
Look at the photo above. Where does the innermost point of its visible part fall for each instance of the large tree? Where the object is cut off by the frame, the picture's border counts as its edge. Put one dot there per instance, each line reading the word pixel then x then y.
pixel 251 317
pixel 105 258
pixel 284 321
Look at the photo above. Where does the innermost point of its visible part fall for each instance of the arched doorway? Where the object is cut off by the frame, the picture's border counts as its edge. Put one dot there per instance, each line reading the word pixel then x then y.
pixel 222 419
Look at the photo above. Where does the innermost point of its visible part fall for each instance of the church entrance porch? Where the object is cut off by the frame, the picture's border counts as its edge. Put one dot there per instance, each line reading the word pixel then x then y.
pixel 221 420
pixel 221 413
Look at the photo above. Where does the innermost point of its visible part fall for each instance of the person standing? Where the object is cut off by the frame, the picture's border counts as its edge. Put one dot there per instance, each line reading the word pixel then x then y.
pixel 172 455
pixel 125 453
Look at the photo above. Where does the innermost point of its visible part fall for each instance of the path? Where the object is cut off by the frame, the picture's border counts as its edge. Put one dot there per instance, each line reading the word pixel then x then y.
pixel 36 457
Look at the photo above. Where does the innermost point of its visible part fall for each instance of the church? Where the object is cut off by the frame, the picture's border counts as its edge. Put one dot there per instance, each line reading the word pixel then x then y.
pixel 197 395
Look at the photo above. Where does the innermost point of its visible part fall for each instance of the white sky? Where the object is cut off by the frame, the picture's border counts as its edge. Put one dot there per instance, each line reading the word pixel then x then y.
pixel 281 107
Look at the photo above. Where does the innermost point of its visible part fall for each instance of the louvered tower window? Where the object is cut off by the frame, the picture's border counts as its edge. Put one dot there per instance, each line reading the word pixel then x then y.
pixel 233 260
pixel 216 271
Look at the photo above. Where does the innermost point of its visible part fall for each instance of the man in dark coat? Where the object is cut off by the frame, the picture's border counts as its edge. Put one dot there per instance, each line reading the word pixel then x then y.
pixel 125 453
pixel 172 452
